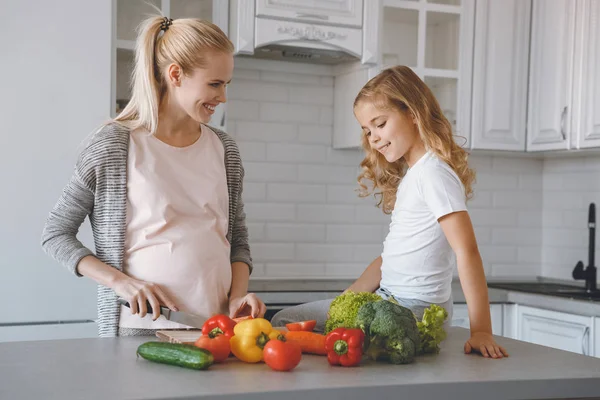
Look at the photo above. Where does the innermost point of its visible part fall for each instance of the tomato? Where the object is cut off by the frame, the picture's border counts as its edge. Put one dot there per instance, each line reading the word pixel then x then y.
pixel 218 346
pixel 302 326
pixel 282 356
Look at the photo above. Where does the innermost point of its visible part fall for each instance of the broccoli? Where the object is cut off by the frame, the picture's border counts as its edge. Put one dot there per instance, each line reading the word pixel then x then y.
pixel 343 309
pixel 391 332
pixel 431 329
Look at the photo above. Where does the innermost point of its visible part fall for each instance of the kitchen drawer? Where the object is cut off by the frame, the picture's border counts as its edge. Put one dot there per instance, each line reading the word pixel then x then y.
pixel 555 329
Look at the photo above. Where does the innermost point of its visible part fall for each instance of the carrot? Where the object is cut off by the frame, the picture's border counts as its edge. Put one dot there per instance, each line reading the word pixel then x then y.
pixel 309 342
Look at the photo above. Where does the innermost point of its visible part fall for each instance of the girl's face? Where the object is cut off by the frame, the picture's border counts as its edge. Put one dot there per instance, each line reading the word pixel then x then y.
pixel 199 93
pixel 389 131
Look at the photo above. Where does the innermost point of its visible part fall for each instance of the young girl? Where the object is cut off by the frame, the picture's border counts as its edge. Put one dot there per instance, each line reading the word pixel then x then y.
pixel 162 190
pixel 422 177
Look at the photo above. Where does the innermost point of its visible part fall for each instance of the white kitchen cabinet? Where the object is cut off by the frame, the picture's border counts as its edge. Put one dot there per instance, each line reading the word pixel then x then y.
pixel 436 41
pixel 586 97
pixel 460 317
pixel 79 330
pixel 341 12
pixel 500 68
pixel 551 75
pixel 597 337
pixel 128 14
pixel 555 329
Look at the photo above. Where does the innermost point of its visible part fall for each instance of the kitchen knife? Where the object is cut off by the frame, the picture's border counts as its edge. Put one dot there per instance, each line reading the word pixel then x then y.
pixel 192 320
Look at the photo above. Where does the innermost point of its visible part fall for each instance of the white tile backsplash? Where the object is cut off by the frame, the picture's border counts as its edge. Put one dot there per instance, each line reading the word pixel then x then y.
pixel 570 184
pixel 305 218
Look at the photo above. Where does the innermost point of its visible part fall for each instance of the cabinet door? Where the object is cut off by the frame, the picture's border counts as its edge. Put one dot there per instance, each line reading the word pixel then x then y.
pixel 550 83
pixel 460 317
pixel 586 125
pixel 597 337
pixel 500 67
pixel 340 12
pixel 554 329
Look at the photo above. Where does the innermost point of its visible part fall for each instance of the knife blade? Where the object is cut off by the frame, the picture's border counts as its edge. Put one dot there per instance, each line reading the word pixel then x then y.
pixel 192 320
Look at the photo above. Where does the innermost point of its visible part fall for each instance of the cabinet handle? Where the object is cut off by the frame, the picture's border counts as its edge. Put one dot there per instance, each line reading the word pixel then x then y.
pixel 312 16
pixel 586 333
pixel 562 123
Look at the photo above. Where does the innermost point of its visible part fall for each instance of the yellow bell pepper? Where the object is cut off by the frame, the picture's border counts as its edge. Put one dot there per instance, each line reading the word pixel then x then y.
pixel 250 337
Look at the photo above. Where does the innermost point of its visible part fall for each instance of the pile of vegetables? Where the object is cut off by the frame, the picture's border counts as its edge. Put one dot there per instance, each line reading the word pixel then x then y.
pixel 250 340
pixel 359 325
pixel 392 332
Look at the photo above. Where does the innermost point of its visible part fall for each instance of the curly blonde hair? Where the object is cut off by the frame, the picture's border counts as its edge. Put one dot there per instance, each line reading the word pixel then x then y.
pixel 399 87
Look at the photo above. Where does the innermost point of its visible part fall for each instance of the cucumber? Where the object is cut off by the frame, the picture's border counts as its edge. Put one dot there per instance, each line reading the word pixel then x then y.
pixel 181 355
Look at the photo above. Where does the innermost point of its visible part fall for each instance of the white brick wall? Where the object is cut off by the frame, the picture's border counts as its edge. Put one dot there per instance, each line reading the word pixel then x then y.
pixel 570 185
pixel 305 219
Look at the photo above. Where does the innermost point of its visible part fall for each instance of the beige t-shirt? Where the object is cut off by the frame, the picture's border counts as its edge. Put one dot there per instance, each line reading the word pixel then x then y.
pixel 177 218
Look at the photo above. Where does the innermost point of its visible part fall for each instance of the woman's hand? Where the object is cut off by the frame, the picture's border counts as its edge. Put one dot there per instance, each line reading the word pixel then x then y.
pixel 137 292
pixel 249 304
pixel 484 343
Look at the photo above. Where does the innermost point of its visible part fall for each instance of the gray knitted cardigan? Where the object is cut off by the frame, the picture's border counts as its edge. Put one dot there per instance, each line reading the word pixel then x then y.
pixel 98 189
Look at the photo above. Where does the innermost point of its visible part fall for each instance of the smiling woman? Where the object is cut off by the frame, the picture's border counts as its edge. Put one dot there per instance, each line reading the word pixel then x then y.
pixel 163 191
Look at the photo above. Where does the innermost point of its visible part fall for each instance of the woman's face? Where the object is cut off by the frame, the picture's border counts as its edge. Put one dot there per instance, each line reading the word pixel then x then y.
pixel 199 93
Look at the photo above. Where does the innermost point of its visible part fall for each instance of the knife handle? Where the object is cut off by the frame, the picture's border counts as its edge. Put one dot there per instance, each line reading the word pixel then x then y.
pixel 126 304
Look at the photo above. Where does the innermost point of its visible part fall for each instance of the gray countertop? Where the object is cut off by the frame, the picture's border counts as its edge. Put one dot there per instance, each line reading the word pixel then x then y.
pixel 301 291
pixel 109 369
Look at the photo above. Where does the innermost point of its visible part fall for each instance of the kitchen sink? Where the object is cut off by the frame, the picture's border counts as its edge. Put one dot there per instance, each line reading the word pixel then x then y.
pixel 552 289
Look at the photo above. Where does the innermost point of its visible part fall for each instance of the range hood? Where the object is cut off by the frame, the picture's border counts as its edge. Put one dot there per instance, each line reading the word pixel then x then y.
pixel 326 32
pixel 299 52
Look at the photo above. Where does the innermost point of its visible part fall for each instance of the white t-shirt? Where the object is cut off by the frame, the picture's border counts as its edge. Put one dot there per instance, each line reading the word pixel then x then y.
pixel 177 219
pixel 417 258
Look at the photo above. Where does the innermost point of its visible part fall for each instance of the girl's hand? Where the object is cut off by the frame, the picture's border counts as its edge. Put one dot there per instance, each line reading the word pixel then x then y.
pixel 484 343
pixel 249 304
pixel 137 292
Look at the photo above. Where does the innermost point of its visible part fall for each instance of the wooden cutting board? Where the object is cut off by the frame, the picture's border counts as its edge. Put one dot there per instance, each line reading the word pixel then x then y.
pixel 188 336
pixel 183 336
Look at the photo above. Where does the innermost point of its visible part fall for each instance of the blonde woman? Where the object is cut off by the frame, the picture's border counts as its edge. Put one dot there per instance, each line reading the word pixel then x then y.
pixel 162 190
pixel 422 178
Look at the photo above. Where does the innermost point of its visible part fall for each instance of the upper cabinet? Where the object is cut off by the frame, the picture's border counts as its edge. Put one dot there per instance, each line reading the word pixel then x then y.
pixel 435 39
pixel 564 80
pixel 128 14
pixel 550 78
pixel 500 68
pixel 586 96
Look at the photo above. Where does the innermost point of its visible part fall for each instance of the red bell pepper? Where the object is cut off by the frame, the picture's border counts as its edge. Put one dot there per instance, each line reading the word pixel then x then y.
pixel 345 346
pixel 218 325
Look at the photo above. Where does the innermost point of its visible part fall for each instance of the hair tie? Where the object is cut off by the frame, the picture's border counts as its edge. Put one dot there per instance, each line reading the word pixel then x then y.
pixel 167 22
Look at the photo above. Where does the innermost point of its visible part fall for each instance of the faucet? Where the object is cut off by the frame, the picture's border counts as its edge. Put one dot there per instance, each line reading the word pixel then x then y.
pixel 589 273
